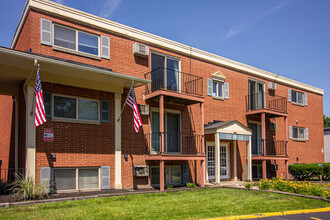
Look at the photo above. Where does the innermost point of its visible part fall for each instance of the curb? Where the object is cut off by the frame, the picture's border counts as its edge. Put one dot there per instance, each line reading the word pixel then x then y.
pixel 262 215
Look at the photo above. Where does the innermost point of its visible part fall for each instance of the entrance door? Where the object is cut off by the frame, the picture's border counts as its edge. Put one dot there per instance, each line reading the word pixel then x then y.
pixel 172 133
pixel 256 95
pixel 256 139
pixel 210 162
pixel 224 160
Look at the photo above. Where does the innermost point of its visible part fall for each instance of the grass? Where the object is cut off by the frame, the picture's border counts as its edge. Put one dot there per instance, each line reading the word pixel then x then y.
pixel 201 203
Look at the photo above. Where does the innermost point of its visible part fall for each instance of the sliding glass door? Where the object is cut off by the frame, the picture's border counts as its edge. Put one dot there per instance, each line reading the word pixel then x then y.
pixel 256 95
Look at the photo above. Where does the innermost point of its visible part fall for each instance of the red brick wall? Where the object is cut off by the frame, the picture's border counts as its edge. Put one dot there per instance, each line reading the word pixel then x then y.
pixel 7 133
pixel 123 61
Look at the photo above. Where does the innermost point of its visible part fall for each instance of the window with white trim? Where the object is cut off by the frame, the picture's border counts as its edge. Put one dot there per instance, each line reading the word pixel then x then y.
pixel 297 97
pixel 218 89
pixel 76 40
pixel 76 178
pixel 298 133
pixel 75 108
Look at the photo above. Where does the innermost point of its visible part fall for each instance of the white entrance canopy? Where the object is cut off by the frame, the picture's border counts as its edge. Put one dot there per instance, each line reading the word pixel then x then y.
pixel 230 130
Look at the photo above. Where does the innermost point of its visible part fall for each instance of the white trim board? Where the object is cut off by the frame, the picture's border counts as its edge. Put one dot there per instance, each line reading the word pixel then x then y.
pixel 110 26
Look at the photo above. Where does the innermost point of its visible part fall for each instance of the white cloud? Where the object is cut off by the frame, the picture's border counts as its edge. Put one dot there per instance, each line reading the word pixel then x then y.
pixel 235 31
pixel 109 7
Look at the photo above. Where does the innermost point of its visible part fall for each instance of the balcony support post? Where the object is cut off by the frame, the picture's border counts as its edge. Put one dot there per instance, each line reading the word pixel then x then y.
pixel 161 123
pixel 263 133
pixel 286 135
pixel 203 173
pixel 202 127
pixel 264 169
pixel 249 160
pixel 286 170
pixel 161 175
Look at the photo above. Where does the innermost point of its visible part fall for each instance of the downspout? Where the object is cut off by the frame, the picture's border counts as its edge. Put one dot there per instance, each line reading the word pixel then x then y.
pixel 29 77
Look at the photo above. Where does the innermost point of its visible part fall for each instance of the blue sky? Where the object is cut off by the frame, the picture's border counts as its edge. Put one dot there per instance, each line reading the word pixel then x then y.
pixel 286 37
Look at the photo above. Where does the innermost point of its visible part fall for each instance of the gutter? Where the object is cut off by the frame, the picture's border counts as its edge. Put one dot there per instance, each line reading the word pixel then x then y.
pixel 72 65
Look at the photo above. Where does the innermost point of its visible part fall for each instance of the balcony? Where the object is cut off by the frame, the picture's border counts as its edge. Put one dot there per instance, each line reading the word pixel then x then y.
pixel 269 148
pixel 265 102
pixel 175 144
pixel 177 87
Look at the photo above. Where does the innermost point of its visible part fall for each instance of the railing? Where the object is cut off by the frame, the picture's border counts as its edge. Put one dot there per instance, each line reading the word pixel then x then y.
pixel 261 147
pixel 174 143
pixel 174 80
pixel 266 101
pixel 7 176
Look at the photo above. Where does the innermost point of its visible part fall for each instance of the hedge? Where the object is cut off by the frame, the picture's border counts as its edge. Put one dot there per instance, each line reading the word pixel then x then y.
pixel 309 171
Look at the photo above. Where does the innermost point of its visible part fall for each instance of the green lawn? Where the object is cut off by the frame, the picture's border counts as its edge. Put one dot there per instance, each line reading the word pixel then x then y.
pixel 201 203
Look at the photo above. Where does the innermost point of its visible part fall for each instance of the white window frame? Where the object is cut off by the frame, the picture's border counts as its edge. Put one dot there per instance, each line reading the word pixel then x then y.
pixel 166 56
pixel 217 89
pixel 76 120
pixel 76 51
pixel 299 139
pixel 297 103
pixel 77 177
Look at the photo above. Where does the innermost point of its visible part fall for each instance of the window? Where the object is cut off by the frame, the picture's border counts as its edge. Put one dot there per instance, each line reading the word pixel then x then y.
pixel 298 133
pixel 297 97
pixel 165 72
pixel 76 178
pixel 76 40
pixel 173 175
pixel 76 108
pixel 217 89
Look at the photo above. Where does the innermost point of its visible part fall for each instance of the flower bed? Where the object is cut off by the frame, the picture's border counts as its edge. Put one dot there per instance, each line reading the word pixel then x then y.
pixel 297 187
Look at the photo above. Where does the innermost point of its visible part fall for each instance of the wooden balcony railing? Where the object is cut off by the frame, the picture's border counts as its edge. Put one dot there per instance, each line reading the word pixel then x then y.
pixel 174 143
pixel 266 101
pixel 262 147
pixel 174 80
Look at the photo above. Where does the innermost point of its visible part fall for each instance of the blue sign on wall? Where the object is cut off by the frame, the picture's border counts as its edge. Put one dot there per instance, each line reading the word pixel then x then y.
pixel 239 137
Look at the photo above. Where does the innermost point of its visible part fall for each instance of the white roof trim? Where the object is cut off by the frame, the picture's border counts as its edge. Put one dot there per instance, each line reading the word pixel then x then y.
pixel 101 23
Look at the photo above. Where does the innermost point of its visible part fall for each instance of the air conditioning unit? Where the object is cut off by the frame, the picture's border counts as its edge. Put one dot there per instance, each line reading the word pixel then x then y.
pixel 144 109
pixel 274 167
pixel 273 126
pixel 272 86
pixel 140 50
pixel 141 170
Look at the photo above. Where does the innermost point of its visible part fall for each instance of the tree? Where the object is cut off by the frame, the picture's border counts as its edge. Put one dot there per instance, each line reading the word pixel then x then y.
pixel 326 121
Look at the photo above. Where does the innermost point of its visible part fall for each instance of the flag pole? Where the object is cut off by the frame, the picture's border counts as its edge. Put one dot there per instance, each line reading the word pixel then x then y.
pixel 125 101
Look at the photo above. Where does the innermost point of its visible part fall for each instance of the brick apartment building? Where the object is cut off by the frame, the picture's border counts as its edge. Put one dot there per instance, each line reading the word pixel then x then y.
pixel 220 119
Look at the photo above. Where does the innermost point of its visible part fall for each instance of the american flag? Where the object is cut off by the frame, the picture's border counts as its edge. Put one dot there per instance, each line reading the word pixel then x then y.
pixel 40 116
pixel 131 102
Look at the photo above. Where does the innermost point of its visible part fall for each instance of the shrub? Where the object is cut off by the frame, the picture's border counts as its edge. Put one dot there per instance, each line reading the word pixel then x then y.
pixel 4 188
pixel 264 184
pixel 309 171
pixel 27 189
pixel 169 187
pixel 191 185
pixel 248 185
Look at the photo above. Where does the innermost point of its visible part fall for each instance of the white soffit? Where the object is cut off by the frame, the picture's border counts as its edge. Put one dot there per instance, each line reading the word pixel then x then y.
pixel 107 25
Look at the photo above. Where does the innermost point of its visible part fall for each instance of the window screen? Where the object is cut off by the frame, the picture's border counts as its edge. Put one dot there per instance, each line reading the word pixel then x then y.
pixel 65 179
pixel 88 178
pixel 64 37
pixel 88 109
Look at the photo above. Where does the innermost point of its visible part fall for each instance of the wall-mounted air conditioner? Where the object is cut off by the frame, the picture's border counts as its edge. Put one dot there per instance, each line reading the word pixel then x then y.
pixel 144 109
pixel 272 126
pixel 272 86
pixel 140 50
pixel 141 170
